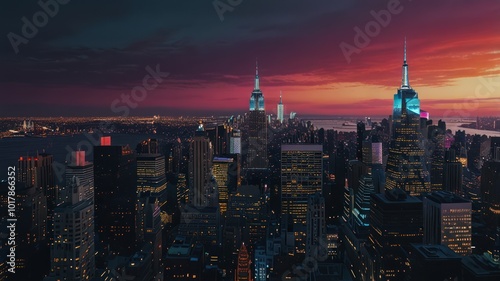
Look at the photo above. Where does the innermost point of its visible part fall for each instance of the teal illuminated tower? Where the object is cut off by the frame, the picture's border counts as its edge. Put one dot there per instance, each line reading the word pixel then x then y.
pixel 405 166
pixel 256 157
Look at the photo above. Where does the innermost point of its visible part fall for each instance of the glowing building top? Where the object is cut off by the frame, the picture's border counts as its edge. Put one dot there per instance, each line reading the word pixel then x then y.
pixel 257 98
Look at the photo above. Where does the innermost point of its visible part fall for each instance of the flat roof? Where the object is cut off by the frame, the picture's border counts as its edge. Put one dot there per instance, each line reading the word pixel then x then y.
pixel 302 147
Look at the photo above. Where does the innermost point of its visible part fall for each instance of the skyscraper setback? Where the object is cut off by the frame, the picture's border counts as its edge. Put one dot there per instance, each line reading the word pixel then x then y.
pixel 405 166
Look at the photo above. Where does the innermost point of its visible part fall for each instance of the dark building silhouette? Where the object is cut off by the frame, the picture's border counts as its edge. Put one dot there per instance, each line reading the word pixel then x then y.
pixel 395 223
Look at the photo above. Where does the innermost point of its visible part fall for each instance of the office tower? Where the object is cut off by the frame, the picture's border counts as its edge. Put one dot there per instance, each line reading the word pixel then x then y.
pixel 149 146
pixel 247 205
pixel 257 129
pixel 200 170
pixel 37 171
pixel 495 146
pixel 31 244
pixel 316 226
pixel 235 142
pixel 148 227
pixel 184 261
pixel 301 177
pixel 436 140
pixel 72 252
pixel 360 137
pixel 361 209
pixel 151 173
pixel 433 263
pixel 244 270
pixel 452 173
pixel 474 154
pixel 342 170
pixel 201 224
pixel 447 221
pixel 115 193
pixel 182 190
pixel 218 134
pixel 84 172
pixel 490 192
pixel 395 222
pixel 405 166
pixel 280 112
pixel 221 171
pixel 260 264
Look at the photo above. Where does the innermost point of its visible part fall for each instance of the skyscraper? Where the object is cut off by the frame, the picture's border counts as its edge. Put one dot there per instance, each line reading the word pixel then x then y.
pixel 452 173
pixel 405 166
pixel 395 222
pixel 151 176
pixel 257 129
pixel 200 170
pixel 235 142
pixel 316 225
pixel 244 271
pixel 37 171
pixel 221 173
pixel 280 110
pixel 84 172
pixel 301 177
pixel 115 193
pixel 447 221
pixel 72 252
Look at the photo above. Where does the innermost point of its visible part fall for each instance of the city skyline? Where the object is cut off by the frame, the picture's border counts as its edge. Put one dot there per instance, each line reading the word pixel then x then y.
pixel 79 68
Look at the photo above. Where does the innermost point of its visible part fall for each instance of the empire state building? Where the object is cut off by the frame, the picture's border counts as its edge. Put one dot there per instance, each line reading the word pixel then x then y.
pixel 405 166
pixel 257 129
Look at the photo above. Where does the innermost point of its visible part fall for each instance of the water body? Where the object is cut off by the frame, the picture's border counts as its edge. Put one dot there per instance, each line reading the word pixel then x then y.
pixel 337 124
pixel 12 148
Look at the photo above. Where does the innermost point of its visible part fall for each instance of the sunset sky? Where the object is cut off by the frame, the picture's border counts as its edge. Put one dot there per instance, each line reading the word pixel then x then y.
pixel 91 52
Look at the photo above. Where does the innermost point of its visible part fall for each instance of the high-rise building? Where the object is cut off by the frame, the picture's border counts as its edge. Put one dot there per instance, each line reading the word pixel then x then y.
pixel 184 260
pixel 447 221
pixel 235 142
pixel 244 270
pixel 37 171
pixel 406 164
pixel 436 139
pixel 301 177
pixel 452 173
pixel 490 191
pixel 151 173
pixel 247 204
pixel 316 226
pixel 280 111
pixel 148 227
pixel 395 222
pixel 221 171
pixel 260 264
pixel 256 157
pixel 433 263
pixel 72 252
pixel 474 154
pixel 202 191
pixel 115 193
pixel 84 172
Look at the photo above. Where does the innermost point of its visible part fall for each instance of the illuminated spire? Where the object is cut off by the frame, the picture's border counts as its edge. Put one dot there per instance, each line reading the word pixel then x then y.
pixel 405 82
pixel 256 87
pixel 281 102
